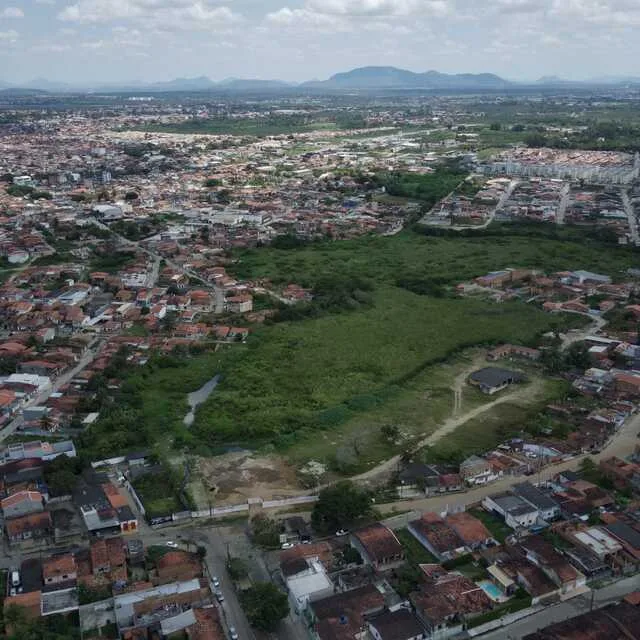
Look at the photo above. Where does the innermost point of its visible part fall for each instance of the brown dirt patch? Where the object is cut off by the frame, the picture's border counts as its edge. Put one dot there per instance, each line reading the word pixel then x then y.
pixel 234 477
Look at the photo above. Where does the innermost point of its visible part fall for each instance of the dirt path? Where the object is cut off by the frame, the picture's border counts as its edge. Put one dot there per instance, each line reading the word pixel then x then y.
pixel 451 424
pixel 621 444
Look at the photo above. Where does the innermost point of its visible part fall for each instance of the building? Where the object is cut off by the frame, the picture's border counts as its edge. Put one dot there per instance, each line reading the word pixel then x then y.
pixel 30 529
pixel 475 470
pixel 513 351
pixel 378 546
pixel 396 625
pixel 470 530
pixel 21 504
pixel 446 601
pixel 59 569
pixel 490 380
pixel 41 450
pixel 515 511
pixel 306 580
pixel 437 537
pixel 344 615
pixel 547 507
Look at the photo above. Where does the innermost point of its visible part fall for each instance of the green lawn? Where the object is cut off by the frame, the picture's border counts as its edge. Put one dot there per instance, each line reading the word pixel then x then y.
pixel 499 530
pixel 415 553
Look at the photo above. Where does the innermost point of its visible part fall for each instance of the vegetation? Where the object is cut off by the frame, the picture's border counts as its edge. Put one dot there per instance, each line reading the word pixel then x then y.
pixel 237 569
pixel 112 262
pixel 56 627
pixel 61 475
pixel 522 600
pixel 159 492
pixel 498 528
pixel 265 605
pixel 265 532
pixel 340 506
pixel 87 595
pixel 427 188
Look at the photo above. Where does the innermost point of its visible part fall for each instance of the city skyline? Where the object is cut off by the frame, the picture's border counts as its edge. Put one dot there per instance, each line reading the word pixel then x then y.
pixel 89 41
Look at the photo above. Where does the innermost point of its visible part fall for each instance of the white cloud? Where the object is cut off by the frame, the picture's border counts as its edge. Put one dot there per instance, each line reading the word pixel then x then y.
pixel 379 7
pixel 12 12
pixel 176 14
pixel 9 36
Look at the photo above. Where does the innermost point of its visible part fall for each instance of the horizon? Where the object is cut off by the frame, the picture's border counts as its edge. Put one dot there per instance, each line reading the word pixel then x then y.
pixel 89 42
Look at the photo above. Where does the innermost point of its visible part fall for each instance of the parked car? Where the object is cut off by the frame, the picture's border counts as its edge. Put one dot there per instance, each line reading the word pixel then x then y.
pixel 172 544
pixel 342 532
pixel 216 582
pixel 219 595
pixel 287 545
pixel 233 634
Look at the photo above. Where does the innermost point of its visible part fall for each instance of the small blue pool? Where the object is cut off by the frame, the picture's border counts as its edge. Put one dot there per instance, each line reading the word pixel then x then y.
pixel 491 589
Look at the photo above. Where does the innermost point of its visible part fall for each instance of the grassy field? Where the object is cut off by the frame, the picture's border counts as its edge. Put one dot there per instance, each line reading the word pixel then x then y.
pixel 451 259
pixel 296 378
pixel 495 425
pixel 499 530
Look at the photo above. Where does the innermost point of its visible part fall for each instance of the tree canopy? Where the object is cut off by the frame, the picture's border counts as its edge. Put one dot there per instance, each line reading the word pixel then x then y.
pixel 265 605
pixel 339 506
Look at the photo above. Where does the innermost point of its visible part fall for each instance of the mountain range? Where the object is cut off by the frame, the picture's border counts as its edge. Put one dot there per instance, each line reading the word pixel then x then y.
pixel 363 78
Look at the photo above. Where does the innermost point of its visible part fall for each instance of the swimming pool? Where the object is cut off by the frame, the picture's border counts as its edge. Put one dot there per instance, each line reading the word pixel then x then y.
pixel 491 589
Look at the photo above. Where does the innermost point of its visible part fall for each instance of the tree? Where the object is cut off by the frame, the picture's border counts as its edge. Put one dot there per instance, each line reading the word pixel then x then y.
pixel 495 126
pixel 212 182
pixel 390 432
pixel 339 506
pixel 131 195
pixel 266 532
pixel 61 475
pixel 265 605
pixel 237 568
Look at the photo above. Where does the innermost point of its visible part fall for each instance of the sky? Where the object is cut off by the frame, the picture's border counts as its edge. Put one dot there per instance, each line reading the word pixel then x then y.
pixel 98 41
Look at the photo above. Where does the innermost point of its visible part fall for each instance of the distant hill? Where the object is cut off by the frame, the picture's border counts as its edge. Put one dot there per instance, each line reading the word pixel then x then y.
pixel 393 77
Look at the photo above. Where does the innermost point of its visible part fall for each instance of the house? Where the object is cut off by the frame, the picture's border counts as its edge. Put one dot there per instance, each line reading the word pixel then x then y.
pixel 513 351
pixel 378 546
pixel 547 507
pixel 436 536
pixel 470 530
pixel 242 303
pixel 544 555
pixel 22 503
pixel 29 529
pixel 418 477
pixel 476 470
pixel 445 601
pixel 343 616
pixel 306 580
pixel 490 380
pixel 396 625
pixel 108 559
pixel 59 569
pixel 515 511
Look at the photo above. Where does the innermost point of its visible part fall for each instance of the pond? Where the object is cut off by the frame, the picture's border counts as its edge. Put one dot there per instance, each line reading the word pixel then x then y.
pixel 196 398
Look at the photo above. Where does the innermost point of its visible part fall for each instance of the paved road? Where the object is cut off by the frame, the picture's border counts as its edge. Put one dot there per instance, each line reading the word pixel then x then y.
pixel 631 216
pixel 621 445
pixel 65 378
pixel 569 609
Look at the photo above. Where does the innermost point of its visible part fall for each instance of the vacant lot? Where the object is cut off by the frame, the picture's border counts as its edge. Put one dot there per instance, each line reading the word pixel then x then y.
pixel 296 378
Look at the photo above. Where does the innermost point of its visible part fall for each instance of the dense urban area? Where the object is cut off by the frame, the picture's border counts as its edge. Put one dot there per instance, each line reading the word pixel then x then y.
pixel 336 367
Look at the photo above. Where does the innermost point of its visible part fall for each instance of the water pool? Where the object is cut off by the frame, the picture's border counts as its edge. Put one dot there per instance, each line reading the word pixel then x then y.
pixel 491 589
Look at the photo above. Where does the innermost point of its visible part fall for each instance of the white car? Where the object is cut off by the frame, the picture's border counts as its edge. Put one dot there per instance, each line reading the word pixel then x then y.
pixel 287 545
pixel 233 634
pixel 172 544
pixel 216 582
pixel 342 532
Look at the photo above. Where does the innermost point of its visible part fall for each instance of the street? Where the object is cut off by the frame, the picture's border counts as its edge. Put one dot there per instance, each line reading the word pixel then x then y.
pixel 62 380
pixel 562 611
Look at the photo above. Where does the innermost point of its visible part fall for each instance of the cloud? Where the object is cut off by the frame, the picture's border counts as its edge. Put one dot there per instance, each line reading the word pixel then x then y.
pixel 168 14
pixel 379 7
pixel 12 12
pixel 9 36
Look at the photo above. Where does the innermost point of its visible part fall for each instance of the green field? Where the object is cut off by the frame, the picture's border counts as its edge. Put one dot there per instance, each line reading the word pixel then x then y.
pixel 308 387
pixel 451 259
pixel 495 425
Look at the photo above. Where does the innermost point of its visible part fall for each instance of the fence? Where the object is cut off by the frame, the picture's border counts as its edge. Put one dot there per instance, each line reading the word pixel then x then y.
pixel 229 510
